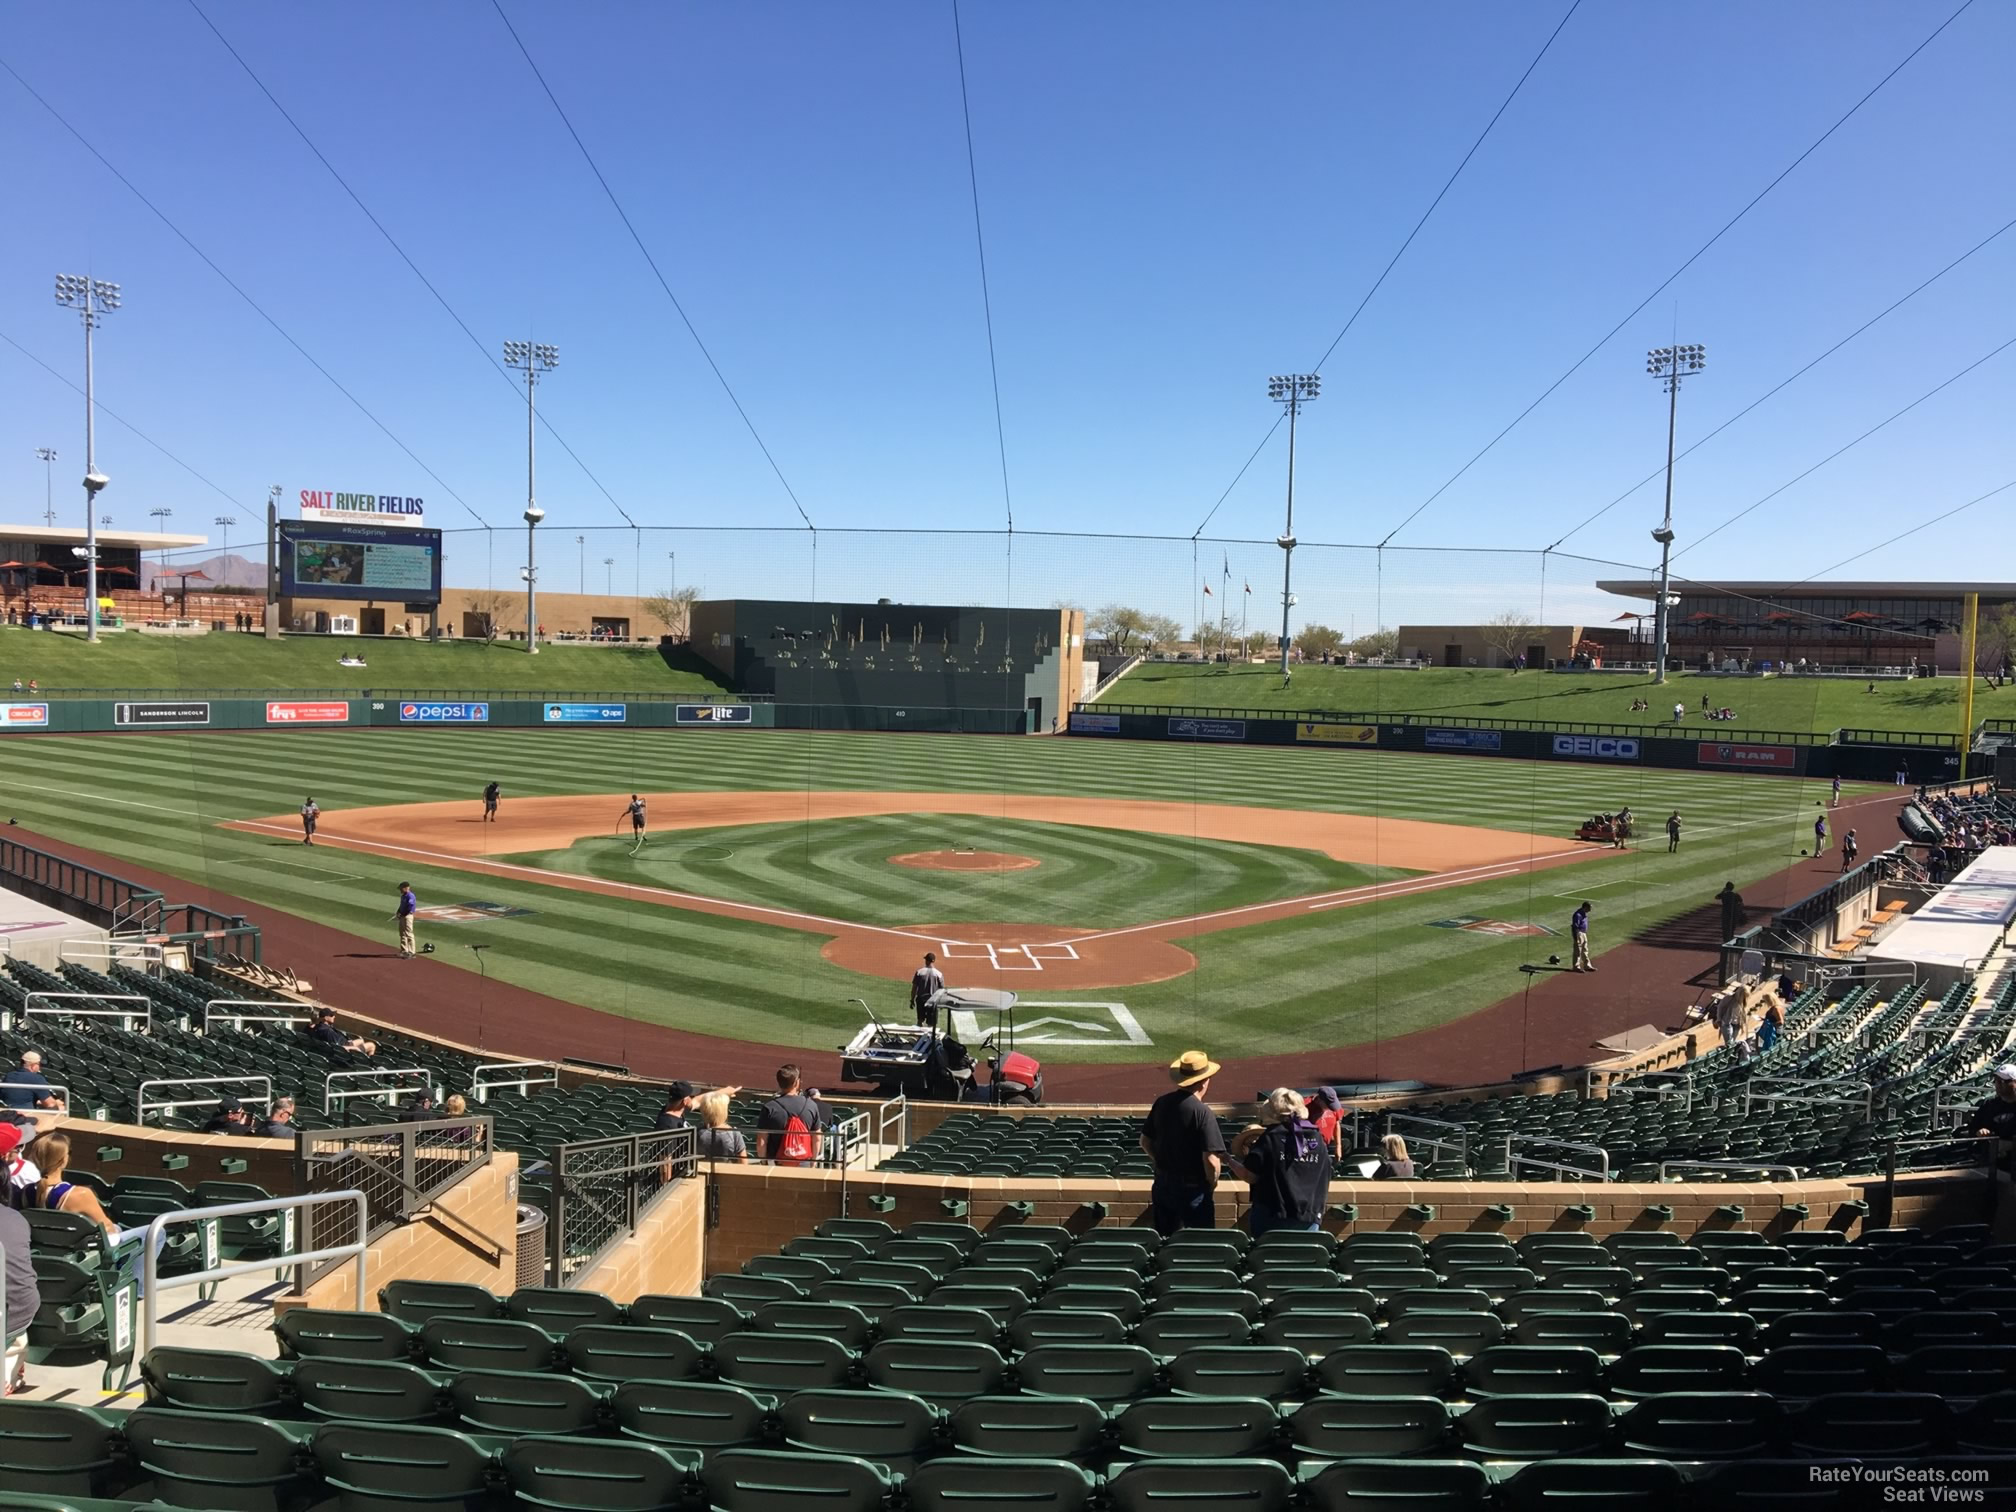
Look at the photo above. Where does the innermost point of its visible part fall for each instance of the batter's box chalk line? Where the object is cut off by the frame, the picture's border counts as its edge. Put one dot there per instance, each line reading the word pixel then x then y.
pixel 1028 957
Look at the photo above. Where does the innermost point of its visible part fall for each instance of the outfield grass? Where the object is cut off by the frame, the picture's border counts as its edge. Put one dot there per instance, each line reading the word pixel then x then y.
pixel 208 663
pixel 1792 704
pixel 1336 977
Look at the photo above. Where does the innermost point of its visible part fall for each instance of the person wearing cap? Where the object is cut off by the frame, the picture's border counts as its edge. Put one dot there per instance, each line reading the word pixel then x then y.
pixel 23 1296
pixel 26 1087
pixel 1180 1134
pixel 325 1032
pixel 1287 1168
pixel 926 982
pixel 230 1118
pixel 681 1097
pixel 1327 1111
pixel 1997 1116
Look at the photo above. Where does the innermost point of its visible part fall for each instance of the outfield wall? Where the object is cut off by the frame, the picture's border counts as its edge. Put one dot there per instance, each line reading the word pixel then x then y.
pixel 1686 748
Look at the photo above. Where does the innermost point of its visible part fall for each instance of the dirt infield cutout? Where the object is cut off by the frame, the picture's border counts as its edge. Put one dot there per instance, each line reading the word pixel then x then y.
pixel 964 861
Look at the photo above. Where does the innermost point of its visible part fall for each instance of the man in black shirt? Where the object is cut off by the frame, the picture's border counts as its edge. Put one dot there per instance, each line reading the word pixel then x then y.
pixel 491 793
pixel 325 1032
pixel 230 1118
pixel 680 1096
pixel 1181 1135
pixel 1997 1116
pixel 790 1122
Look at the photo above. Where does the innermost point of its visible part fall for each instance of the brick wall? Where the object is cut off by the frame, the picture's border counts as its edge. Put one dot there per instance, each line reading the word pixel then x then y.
pixel 664 1256
pixel 113 1150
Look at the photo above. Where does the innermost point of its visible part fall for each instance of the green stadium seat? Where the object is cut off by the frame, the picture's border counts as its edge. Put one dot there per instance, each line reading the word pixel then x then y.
pixel 1034 1427
pixel 1009 1485
pixel 56 1449
pixel 835 1252
pixel 1796 1371
pixel 1200 1485
pixel 706 1416
pixel 306 1332
pixel 1782 1485
pixel 782 1362
pixel 1437 1299
pixel 1528 1370
pixel 1195 1427
pixel 936 1371
pixel 512 1402
pixel 215 1380
pixel 935 1320
pixel 561 1310
pixel 1171 1333
pixel 1217 1242
pixel 597 1475
pixel 893 1429
pixel 749 1291
pixel 1957 1370
pixel 1121 1303
pixel 1461 1333
pixel 1058 1325
pixel 869 1231
pixel 1737 1328
pixel 368 1391
pixel 1535 1427
pixel 1387 1370
pixel 383 1468
pixel 1607 1333
pixel 800 1270
pixel 1397 1485
pixel 838 1321
pixel 457 1343
pixel 1617 1485
pixel 873 1297
pixel 1269 1371
pixel 768 1480
pixel 1313 1333
pixel 1950 1326
pixel 1654 1369
pixel 1098 1372
pixel 248 1236
pixel 1702 1425
pixel 1868 1425
pixel 1364 1427
pixel 701 1319
pixel 1988 1426
pixel 1843 1327
pixel 228 1461
pixel 414 1302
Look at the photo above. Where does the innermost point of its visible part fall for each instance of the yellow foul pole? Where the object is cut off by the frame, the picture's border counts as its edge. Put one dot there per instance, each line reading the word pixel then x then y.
pixel 1966 733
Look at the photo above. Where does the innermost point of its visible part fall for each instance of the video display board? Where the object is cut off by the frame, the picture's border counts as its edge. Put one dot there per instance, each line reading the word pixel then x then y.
pixel 378 562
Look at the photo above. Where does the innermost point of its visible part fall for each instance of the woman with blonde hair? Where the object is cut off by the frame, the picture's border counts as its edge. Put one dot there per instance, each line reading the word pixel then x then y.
pixel 50 1154
pixel 716 1141
pixel 1394 1164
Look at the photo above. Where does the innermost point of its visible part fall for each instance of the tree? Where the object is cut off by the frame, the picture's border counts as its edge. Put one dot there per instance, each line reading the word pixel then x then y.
pixel 1509 634
pixel 1210 638
pixel 1118 625
pixel 1257 643
pixel 1318 641
pixel 675 609
pixel 1384 641
pixel 1994 643
pixel 1159 632
pixel 488 605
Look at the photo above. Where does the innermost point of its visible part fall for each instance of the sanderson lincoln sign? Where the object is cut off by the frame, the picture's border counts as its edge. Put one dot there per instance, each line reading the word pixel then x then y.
pixel 324 507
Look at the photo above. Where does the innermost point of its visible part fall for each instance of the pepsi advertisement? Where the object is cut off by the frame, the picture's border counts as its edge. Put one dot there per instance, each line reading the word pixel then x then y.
pixel 444 713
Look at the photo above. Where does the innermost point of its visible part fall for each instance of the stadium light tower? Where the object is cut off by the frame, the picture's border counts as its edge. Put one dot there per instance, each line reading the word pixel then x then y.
pixel 224 524
pixel 47 456
pixel 93 299
pixel 1670 365
pixel 609 584
pixel 581 549
pixel 1291 390
pixel 534 359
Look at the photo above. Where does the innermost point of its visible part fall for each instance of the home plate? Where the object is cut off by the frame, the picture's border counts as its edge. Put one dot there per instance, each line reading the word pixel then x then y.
pixel 1064 1024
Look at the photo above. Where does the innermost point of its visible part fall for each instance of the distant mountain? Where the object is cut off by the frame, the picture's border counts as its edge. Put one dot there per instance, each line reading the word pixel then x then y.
pixel 231 571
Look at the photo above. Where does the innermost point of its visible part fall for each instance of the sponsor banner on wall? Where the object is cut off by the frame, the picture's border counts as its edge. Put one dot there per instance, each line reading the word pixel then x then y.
pixel 1597 747
pixel 307 713
pixel 1760 757
pixel 1095 724
pixel 713 714
pixel 1338 734
pixel 1464 740
pixel 158 714
pixel 576 713
pixel 24 716
pixel 1208 729
pixel 444 713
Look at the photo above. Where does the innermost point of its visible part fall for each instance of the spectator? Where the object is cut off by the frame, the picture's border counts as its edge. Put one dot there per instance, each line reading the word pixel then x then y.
pixel 419 1108
pixel 1331 1116
pixel 1788 986
pixel 1773 1024
pixel 1997 1116
pixel 50 1154
pixel 230 1118
pixel 24 1298
pixel 26 1087
pixel 716 1141
pixel 327 1033
pixel 1181 1136
pixel 1394 1164
pixel 279 1120
pixel 1732 910
pixel 1287 1168
pixel 790 1122
pixel 681 1097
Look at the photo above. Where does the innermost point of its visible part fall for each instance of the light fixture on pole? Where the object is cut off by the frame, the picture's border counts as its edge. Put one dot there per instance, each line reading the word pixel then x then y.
pixel 224 524
pixel 162 514
pixel 581 548
pixel 1670 365
pixel 534 359
pixel 1291 390
pixel 92 299
pixel 609 584
pixel 47 454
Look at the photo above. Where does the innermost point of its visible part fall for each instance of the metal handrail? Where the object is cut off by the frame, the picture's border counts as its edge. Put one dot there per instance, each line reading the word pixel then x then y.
pixel 153 1282
pixel 1514 1160
pixel 52 1090
pixel 240 1020
pixel 108 948
pixel 1856 1092
pixel 126 1016
pixel 1634 1087
pixel 1460 1143
pixel 1944 1108
pixel 894 1112
pixel 141 1105
pixel 1777 1172
pixel 480 1089
pixel 845 1139
pixel 330 1094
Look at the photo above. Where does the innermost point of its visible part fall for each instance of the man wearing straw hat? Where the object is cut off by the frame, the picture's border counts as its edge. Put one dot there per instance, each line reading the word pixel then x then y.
pixel 1181 1135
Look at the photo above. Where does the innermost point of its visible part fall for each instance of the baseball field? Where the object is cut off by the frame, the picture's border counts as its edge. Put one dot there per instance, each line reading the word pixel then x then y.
pixel 1142 895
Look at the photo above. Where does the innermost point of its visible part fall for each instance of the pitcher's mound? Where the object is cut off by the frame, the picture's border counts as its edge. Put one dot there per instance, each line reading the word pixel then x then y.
pixel 964 861
pixel 1027 958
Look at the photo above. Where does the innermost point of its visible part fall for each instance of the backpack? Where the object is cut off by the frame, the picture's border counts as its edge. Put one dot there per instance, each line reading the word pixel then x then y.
pixel 798 1143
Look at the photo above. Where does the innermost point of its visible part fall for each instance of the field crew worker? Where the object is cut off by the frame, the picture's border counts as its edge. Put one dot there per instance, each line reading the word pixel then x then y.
pixel 490 796
pixel 309 814
pixel 403 916
pixel 1578 930
pixel 635 809
pixel 1181 1135
pixel 926 981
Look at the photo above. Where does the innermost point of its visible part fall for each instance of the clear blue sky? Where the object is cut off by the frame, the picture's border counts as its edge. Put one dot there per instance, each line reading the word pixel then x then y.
pixel 1179 200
